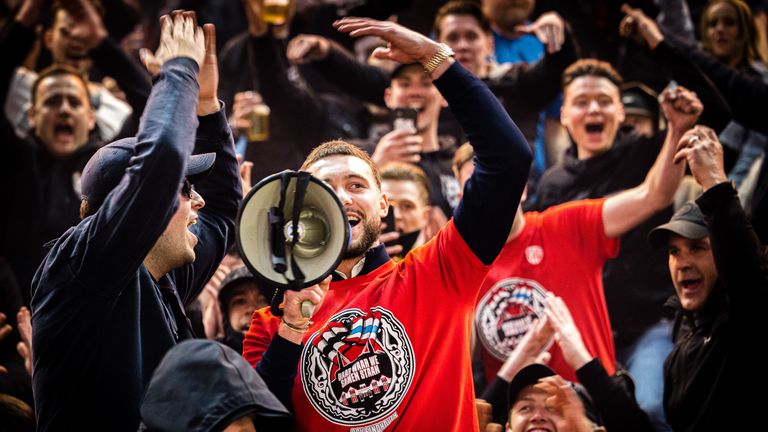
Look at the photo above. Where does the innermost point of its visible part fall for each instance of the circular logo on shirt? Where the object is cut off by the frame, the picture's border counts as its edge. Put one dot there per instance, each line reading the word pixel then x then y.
pixel 358 367
pixel 505 313
pixel 534 254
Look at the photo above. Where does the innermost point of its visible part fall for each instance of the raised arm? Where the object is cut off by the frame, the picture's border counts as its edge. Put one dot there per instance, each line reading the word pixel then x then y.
pixel 739 255
pixel 536 85
pixel 137 211
pixel 133 80
pixel 716 112
pixel 629 208
pixel 221 189
pixel 339 67
pixel 502 156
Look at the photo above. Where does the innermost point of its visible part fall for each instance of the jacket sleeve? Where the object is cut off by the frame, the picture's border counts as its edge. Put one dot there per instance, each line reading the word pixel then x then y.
pixel 745 94
pixel 618 411
pixel 717 113
pixel 485 214
pixel 535 85
pixel 119 235
pixel 130 76
pixel 739 255
pixel 222 193
pixel 362 81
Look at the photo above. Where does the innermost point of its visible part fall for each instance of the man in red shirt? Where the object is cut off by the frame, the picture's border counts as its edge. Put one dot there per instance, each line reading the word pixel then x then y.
pixel 388 347
pixel 562 250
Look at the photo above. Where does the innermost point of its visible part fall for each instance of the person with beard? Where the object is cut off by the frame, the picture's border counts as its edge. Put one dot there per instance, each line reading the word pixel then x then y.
pixel 388 344
pixel 108 298
pixel 239 297
pixel 720 272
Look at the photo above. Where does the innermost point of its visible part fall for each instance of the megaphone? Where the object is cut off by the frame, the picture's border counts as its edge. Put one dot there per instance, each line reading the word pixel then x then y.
pixel 292 232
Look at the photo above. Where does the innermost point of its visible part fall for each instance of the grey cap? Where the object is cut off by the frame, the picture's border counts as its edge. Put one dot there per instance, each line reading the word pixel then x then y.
pixel 688 222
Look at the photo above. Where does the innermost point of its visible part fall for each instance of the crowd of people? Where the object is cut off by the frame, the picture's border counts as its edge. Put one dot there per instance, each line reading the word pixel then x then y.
pixel 557 214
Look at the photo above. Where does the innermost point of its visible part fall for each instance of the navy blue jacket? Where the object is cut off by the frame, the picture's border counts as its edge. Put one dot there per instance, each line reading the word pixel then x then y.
pixel 101 324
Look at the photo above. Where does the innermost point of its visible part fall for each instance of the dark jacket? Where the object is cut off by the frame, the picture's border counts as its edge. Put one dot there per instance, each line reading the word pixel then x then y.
pixel 100 322
pixel 41 192
pixel 202 386
pixel 708 366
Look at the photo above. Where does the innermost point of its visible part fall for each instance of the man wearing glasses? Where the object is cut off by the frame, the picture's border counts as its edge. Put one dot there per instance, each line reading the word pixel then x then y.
pixel 108 300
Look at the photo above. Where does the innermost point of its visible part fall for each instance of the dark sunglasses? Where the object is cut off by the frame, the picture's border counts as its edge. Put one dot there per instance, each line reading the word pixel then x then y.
pixel 186 189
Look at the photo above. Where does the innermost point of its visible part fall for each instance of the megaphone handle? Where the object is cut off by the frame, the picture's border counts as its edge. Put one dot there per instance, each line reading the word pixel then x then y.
pixel 307 309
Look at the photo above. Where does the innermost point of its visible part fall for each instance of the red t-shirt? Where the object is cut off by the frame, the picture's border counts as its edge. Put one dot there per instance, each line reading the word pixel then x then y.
pixel 562 251
pixel 389 350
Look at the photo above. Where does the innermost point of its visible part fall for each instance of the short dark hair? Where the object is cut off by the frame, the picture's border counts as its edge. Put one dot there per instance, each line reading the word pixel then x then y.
pixel 591 67
pixel 341 148
pixel 461 7
pixel 398 171
pixel 58 70
pixel 56 6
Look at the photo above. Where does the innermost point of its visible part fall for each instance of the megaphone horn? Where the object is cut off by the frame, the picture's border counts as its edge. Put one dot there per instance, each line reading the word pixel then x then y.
pixel 292 232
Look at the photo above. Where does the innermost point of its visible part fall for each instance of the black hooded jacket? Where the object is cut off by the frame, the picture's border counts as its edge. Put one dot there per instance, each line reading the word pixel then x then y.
pixel 203 386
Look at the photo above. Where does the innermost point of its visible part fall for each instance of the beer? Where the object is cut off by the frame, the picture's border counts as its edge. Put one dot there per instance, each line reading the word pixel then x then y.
pixel 259 129
pixel 275 11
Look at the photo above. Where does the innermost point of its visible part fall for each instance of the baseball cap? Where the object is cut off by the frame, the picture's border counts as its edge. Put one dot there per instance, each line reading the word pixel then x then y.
pixel 688 222
pixel 233 279
pixel 107 166
pixel 531 375
pixel 639 99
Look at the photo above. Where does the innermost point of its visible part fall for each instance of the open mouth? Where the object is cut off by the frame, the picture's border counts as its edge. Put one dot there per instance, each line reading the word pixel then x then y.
pixel 690 284
pixel 353 219
pixel 595 128
pixel 417 106
pixel 63 131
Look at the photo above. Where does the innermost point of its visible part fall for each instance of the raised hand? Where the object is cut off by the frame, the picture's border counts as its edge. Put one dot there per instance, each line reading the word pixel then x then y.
pixel 549 29
pixel 257 26
pixel 400 145
pixel 403 45
pixel 29 12
pixel 88 27
pixel 5 330
pixel 564 401
pixel 567 335
pixel 208 78
pixel 681 107
pixel 24 347
pixel 532 348
pixel 306 48
pixel 245 104
pixel 704 154
pixel 637 26
pixel 179 37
